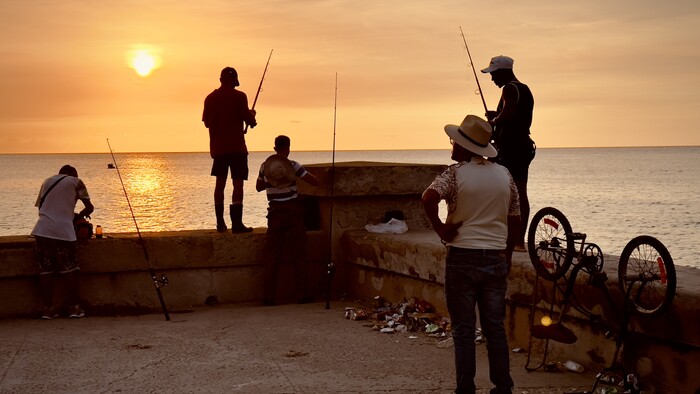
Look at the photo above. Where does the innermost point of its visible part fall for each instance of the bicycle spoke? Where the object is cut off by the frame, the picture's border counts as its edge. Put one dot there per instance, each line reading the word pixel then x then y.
pixel 647 267
pixel 549 250
pixel 644 262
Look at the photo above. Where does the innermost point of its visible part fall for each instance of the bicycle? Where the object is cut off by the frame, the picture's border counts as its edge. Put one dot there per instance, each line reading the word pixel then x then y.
pixel 645 263
pixel 646 276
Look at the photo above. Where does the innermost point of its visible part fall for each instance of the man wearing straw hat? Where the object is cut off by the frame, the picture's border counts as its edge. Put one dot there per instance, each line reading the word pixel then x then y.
pixel 480 231
pixel 285 218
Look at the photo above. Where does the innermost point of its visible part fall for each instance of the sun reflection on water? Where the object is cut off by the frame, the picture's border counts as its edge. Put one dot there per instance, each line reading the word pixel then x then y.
pixel 146 182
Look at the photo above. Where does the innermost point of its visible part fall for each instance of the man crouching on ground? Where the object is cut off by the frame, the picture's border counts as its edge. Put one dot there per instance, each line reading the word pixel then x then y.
pixel 480 233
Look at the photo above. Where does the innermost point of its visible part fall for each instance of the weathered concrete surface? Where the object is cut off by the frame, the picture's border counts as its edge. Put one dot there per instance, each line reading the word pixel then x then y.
pixel 115 277
pixel 665 351
pixel 239 349
pixel 363 178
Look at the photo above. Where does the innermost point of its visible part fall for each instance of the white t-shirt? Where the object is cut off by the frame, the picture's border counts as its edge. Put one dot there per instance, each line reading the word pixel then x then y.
pixel 481 195
pixel 56 214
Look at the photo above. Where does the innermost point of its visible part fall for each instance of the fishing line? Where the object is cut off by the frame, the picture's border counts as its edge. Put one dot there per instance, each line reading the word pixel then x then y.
pixel 330 268
pixel 255 100
pixel 471 63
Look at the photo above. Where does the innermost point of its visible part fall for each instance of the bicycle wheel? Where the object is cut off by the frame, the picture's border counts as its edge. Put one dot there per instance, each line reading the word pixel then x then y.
pixel 550 252
pixel 646 266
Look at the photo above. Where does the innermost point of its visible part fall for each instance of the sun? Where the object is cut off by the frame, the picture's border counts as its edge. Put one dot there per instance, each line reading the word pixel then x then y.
pixel 144 59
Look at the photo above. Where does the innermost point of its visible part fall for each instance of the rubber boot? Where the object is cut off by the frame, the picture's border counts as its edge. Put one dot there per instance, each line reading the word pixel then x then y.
pixel 220 222
pixel 237 225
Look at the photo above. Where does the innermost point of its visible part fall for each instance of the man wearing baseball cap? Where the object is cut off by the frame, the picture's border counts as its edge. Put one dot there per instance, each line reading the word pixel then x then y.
pixel 225 112
pixel 479 232
pixel 511 124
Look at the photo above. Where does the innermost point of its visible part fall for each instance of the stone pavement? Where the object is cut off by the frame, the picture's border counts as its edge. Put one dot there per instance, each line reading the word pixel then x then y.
pixel 242 348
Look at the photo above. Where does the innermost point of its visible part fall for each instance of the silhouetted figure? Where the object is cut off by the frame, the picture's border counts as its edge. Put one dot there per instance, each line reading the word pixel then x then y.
pixel 511 131
pixel 285 219
pixel 56 241
pixel 225 112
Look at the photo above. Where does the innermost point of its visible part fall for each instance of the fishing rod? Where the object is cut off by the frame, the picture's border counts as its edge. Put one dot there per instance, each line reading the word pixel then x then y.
pixel 157 282
pixel 259 87
pixel 330 267
pixel 471 63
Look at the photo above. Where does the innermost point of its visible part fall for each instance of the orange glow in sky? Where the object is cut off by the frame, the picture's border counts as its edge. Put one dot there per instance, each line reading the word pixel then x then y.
pixel 143 60
pixel 603 73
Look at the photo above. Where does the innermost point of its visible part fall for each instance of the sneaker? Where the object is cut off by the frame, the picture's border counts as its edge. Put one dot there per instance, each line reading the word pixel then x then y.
pixel 76 312
pixel 48 313
pixel 393 226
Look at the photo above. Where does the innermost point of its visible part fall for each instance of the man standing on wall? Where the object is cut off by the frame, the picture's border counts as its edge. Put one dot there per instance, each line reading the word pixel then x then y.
pixel 225 112
pixel 511 124
pixel 479 232
pixel 56 242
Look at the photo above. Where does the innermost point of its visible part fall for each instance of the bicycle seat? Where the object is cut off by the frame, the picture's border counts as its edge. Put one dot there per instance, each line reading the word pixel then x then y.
pixel 556 332
pixel 575 236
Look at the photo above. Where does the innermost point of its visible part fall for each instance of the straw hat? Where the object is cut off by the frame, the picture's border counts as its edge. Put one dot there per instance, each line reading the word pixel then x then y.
pixel 279 171
pixel 474 134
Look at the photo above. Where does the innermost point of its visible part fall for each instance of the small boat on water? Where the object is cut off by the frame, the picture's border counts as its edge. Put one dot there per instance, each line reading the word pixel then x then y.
pixel 110 165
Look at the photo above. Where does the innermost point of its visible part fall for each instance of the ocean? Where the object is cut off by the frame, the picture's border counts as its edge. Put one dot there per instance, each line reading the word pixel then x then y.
pixel 611 194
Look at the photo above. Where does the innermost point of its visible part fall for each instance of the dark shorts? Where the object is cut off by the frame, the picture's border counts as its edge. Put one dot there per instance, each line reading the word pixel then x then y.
pixel 238 162
pixel 518 170
pixel 56 256
pixel 517 160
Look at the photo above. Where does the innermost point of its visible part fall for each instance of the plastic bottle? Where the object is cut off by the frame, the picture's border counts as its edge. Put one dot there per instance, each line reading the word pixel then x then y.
pixel 98 232
pixel 573 366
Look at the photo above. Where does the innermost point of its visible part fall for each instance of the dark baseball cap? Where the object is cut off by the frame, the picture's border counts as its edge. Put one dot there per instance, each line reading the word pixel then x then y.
pixel 229 72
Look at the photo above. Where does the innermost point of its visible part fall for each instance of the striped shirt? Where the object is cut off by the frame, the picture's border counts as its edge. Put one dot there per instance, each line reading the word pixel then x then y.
pixel 282 193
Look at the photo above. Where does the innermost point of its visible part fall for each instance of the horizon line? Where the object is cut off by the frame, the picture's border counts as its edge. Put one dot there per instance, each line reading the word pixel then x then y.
pixel 352 150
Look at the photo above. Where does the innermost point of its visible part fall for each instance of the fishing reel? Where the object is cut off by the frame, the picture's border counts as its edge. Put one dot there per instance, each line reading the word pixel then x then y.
pixel 330 270
pixel 160 282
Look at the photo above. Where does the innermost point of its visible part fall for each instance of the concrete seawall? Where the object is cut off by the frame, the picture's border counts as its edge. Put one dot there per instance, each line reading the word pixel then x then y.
pixel 206 266
pixel 201 266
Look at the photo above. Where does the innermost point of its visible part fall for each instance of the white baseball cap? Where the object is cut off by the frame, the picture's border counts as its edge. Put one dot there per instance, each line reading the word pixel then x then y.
pixel 499 63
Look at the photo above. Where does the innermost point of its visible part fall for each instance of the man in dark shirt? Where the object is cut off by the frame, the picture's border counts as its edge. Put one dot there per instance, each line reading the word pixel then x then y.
pixel 225 112
pixel 511 124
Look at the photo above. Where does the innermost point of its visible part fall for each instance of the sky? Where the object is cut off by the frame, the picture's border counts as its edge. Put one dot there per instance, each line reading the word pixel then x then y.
pixel 603 73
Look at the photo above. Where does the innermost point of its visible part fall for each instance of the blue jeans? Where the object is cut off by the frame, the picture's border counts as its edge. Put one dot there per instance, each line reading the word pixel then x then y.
pixel 478 277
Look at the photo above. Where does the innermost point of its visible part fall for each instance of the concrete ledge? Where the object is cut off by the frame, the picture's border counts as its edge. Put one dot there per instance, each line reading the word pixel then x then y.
pixel 360 178
pixel 115 276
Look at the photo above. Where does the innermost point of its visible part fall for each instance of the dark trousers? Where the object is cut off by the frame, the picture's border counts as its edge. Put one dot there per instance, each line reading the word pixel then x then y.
pixel 285 242
pixel 478 277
